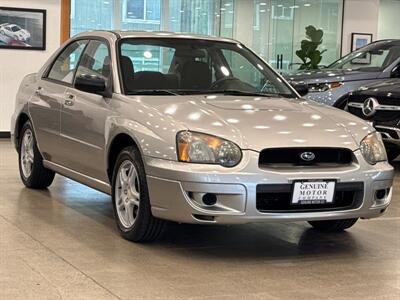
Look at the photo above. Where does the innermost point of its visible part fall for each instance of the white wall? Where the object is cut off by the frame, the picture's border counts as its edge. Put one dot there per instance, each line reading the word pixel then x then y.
pixel 389 13
pixel 15 64
pixel 360 16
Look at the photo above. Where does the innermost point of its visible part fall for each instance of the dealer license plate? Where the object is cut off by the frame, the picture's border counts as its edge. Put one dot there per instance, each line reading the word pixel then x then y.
pixel 313 192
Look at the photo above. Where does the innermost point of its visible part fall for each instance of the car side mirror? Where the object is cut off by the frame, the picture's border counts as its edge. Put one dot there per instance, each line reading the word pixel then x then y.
pixel 301 88
pixel 92 84
pixel 395 72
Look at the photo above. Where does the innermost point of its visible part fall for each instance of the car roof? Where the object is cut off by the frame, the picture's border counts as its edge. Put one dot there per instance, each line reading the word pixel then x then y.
pixel 154 34
pixel 387 41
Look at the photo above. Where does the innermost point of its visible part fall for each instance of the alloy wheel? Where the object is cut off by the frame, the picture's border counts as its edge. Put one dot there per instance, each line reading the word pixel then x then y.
pixel 27 153
pixel 127 194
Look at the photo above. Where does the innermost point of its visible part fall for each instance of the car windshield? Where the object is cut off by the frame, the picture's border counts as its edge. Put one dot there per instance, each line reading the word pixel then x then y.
pixel 191 66
pixel 15 28
pixel 374 57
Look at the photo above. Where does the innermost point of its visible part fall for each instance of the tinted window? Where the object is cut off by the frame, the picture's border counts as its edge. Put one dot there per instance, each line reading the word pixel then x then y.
pixel 95 61
pixel 64 66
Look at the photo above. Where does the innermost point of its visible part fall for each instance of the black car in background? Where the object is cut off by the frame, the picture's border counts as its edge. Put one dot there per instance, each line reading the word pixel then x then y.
pixel 379 104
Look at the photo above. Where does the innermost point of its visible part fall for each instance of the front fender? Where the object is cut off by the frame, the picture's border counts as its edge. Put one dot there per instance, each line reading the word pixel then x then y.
pixel 149 142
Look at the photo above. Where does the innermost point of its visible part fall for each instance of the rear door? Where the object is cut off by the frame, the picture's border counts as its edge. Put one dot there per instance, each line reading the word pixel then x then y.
pixel 83 116
pixel 45 104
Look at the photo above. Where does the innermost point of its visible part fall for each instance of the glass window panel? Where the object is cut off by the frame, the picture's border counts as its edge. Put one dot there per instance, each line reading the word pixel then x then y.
pixel 135 9
pixel 95 61
pixel 194 16
pixel 64 66
pixel 389 12
pixel 322 14
pixel 244 70
pixel 140 15
pixel 279 27
pixel 148 57
pixel 91 15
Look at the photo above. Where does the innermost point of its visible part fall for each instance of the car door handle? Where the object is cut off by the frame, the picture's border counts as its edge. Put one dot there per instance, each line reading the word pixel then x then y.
pixel 69 100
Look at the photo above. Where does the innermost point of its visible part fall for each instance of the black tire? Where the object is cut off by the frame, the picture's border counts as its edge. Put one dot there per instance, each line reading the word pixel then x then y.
pixel 333 225
pixel 392 154
pixel 145 228
pixel 40 177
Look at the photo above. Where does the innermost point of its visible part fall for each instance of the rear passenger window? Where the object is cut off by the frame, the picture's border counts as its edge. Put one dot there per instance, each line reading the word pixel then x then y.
pixel 64 67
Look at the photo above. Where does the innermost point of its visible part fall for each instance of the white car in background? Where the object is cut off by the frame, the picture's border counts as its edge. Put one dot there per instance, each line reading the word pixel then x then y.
pixel 15 32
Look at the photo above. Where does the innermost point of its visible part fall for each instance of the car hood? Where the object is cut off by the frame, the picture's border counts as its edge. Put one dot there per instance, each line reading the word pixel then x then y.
pixel 388 88
pixel 257 123
pixel 330 75
pixel 22 32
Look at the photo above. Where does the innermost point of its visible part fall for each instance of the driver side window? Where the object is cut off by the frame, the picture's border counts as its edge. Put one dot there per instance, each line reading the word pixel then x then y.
pixel 63 68
pixel 96 61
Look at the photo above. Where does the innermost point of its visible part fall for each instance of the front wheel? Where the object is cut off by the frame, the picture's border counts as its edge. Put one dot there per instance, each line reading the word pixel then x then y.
pixel 33 174
pixel 131 203
pixel 333 225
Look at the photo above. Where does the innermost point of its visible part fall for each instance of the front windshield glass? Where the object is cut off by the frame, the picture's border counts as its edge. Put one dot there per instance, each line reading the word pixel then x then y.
pixel 190 66
pixel 374 57
pixel 15 28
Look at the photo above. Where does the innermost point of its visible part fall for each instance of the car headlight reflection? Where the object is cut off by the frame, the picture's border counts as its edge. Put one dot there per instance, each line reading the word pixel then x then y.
pixel 195 147
pixel 373 149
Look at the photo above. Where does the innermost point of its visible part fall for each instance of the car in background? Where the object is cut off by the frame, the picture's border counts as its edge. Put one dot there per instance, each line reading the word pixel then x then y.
pixel 15 32
pixel 374 62
pixel 379 104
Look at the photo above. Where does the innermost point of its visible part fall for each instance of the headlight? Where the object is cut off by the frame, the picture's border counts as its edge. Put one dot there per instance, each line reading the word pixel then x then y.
pixel 195 147
pixel 323 87
pixel 372 148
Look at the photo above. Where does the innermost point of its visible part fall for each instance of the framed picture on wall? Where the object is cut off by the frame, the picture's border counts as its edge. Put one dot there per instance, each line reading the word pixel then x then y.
pixel 359 40
pixel 22 28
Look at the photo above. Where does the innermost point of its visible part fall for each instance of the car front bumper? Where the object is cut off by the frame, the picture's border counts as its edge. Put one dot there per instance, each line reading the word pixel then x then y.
pixel 176 190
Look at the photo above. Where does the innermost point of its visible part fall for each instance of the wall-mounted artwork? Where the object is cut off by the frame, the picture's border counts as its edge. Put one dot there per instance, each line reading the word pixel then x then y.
pixel 359 40
pixel 22 28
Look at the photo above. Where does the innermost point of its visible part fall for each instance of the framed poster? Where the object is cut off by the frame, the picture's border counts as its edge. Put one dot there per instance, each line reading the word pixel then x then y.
pixel 22 28
pixel 359 40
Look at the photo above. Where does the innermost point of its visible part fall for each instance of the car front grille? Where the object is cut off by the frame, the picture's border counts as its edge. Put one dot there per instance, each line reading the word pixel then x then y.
pixel 276 198
pixel 379 116
pixel 291 157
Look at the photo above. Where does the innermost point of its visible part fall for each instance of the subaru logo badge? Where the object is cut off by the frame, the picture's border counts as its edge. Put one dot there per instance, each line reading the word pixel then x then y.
pixel 369 107
pixel 307 156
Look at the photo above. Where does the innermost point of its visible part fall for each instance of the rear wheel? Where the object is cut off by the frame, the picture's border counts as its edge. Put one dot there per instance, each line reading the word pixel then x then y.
pixel 132 210
pixel 333 225
pixel 33 174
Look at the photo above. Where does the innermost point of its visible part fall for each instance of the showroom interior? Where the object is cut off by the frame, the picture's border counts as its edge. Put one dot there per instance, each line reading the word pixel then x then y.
pixel 199 149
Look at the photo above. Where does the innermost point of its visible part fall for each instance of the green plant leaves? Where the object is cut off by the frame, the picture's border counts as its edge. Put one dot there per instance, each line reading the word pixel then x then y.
pixel 309 53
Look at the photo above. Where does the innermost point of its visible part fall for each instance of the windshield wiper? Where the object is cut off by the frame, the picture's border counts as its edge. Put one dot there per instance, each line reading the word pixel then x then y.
pixel 245 93
pixel 177 92
pixel 152 92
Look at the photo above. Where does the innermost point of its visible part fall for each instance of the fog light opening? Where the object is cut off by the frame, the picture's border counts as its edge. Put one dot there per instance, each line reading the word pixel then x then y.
pixel 380 194
pixel 209 199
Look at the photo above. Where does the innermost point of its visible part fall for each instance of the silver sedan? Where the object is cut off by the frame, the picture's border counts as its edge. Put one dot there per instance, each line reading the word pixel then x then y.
pixel 194 129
